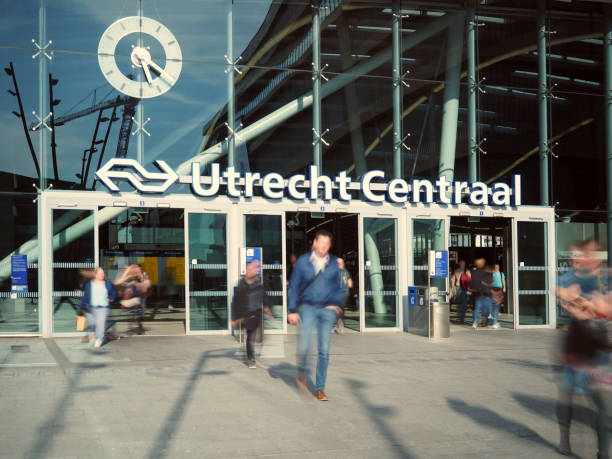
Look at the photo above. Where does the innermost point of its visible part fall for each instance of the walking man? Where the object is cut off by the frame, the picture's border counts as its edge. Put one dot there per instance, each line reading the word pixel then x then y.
pixel 315 301
pixel 480 286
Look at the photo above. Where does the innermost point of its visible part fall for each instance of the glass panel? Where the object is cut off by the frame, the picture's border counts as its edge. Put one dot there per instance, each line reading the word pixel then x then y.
pixel 71 260
pixel 208 272
pixel 380 288
pixel 426 235
pixel 266 231
pixel 532 273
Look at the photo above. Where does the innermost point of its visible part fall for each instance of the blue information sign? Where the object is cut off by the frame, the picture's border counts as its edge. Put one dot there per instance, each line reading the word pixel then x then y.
pixel 248 255
pixel 19 273
pixel 438 263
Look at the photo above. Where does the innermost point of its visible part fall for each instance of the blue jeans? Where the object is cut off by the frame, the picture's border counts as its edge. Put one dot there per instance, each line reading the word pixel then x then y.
pixel 482 306
pixel 323 320
pixel 96 319
pixel 462 301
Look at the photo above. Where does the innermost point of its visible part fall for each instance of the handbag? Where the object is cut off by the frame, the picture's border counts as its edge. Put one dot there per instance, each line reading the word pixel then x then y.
pixel 81 322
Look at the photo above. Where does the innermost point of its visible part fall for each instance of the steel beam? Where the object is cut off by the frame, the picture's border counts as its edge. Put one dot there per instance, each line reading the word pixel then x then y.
pixel 231 110
pixel 472 88
pixel 316 88
pixel 543 104
pixel 607 45
pixel 397 90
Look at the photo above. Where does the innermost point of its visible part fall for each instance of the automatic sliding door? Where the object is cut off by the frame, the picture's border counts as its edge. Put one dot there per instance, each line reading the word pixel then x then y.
pixel 266 231
pixel 207 265
pixel 380 272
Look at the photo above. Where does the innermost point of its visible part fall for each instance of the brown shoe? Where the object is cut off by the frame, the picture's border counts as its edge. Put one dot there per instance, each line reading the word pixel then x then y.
pixel 321 396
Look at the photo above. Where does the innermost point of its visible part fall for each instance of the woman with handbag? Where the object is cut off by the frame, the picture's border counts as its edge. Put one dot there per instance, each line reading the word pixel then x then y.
pixel 98 295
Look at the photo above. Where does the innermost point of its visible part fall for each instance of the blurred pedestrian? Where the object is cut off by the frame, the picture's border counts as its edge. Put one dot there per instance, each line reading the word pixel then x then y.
pixel 98 295
pixel 346 284
pixel 585 354
pixel 248 303
pixel 460 281
pixel 135 285
pixel 315 301
pixel 498 291
pixel 480 287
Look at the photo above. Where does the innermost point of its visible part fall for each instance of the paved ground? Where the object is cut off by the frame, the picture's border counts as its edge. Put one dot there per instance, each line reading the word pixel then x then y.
pixel 487 393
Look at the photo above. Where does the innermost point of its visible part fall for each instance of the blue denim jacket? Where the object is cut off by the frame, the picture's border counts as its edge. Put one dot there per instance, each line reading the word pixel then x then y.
pixel 86 300
pixel 324 291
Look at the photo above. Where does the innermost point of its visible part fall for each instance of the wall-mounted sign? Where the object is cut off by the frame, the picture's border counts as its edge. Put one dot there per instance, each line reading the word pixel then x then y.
pixel 438 263
pixel 19 273
pixel 248 255
pixel 274 186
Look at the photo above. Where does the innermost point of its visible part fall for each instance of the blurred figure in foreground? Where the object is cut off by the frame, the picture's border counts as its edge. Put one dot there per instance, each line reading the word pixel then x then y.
pixel 346 284
pixel 135 286
pixel 98 295
pixel 247 304
pixel 480 287
pixel 315 301
pixel 583 293
pixel 460 281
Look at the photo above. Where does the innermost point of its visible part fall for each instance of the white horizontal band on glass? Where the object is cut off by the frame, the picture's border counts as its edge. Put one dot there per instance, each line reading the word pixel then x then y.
pixel 78 293
pixel 272 266
pixel 275 293
pixel 383 267
pixel 380 292
pixel 533 268
pixel 421 268
pixel 74 265
pixel 32 265
pixel 19 294
pixel 207 293
pixel 209 266
pixel 533 292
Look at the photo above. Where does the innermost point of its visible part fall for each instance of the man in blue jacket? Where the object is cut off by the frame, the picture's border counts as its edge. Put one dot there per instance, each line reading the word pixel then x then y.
pixel 315 301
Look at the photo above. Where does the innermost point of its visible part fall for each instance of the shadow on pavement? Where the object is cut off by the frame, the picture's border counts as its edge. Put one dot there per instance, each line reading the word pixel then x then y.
pixel 379 415
pixel 534 365
pixel 546 407
pixel 489 418
pixel 170 425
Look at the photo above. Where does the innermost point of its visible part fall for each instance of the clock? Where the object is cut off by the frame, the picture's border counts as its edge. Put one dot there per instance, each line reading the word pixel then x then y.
pixel 158 80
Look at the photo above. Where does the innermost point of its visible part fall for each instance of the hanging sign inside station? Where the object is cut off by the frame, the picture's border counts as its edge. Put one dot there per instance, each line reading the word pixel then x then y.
pixel 249 255
pixel 373 185
pixel 438 263
pixel 19 273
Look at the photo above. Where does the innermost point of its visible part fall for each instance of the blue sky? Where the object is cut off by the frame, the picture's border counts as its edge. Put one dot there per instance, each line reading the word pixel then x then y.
pixel 76 26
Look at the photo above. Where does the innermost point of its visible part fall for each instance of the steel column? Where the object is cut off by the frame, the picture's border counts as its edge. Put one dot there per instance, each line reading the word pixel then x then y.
pixel 231 115
pixel 608 108
pixel 316 88
pixel 139 107
pixel 397 91
pixel 472 88
pixel 542 104
pixel 42 151
pixel 450 110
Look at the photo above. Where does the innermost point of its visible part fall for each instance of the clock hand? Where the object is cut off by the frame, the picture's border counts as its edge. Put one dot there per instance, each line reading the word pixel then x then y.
pixel 161 72
pixel 147 72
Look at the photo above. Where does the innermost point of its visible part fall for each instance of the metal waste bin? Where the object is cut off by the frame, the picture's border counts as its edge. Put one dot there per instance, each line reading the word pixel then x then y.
pixel 440 319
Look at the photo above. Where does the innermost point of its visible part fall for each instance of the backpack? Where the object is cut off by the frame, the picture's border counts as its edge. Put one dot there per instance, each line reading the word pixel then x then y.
pixel 464 281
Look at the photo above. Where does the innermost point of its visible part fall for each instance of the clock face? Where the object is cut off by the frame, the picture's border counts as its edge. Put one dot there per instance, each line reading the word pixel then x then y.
pixel 157 79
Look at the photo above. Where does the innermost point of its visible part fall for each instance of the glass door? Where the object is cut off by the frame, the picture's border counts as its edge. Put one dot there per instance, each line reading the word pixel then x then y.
pixel 267 231
pixel 206 263
pixel 380 280
pixel 532 272
pixel 74 256
pixel 427 234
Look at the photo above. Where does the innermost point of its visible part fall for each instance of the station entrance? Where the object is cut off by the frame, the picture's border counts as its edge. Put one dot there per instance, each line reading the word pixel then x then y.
pixel 190 247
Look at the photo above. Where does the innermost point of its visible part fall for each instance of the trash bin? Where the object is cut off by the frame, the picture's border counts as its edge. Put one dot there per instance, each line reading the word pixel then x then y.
pixel 440 319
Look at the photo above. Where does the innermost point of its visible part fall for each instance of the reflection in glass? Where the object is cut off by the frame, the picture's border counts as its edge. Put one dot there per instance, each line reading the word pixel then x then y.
pixel 70 261
pixel 380 289
pixel 532 273
pixel 266 231
pixel 427 235
pixel 208 307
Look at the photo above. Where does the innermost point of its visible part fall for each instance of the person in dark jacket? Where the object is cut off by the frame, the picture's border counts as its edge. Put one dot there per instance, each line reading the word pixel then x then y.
pixel 98 295
pixel 480 287
pixel 315 301
pixel 247 304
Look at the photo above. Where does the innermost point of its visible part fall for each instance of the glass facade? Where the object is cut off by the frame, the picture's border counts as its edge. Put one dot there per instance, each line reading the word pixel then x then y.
pixel 232 82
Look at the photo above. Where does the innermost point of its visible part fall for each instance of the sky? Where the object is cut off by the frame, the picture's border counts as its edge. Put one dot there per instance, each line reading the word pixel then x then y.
pixel 75 27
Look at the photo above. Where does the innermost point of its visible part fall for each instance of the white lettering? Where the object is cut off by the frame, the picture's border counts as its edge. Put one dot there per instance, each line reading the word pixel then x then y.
pixel 516 190
pixel 460 187
pixel 343 181
pixel 479 194
pixel 274 186
pixel 249 180
pixel 293 191
pixel 315 180
pixel 231 175
pixel 397 189
pixel 442 185
pixel 416 190
pixel 365 186
pixel 197 187
pixel 501 194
